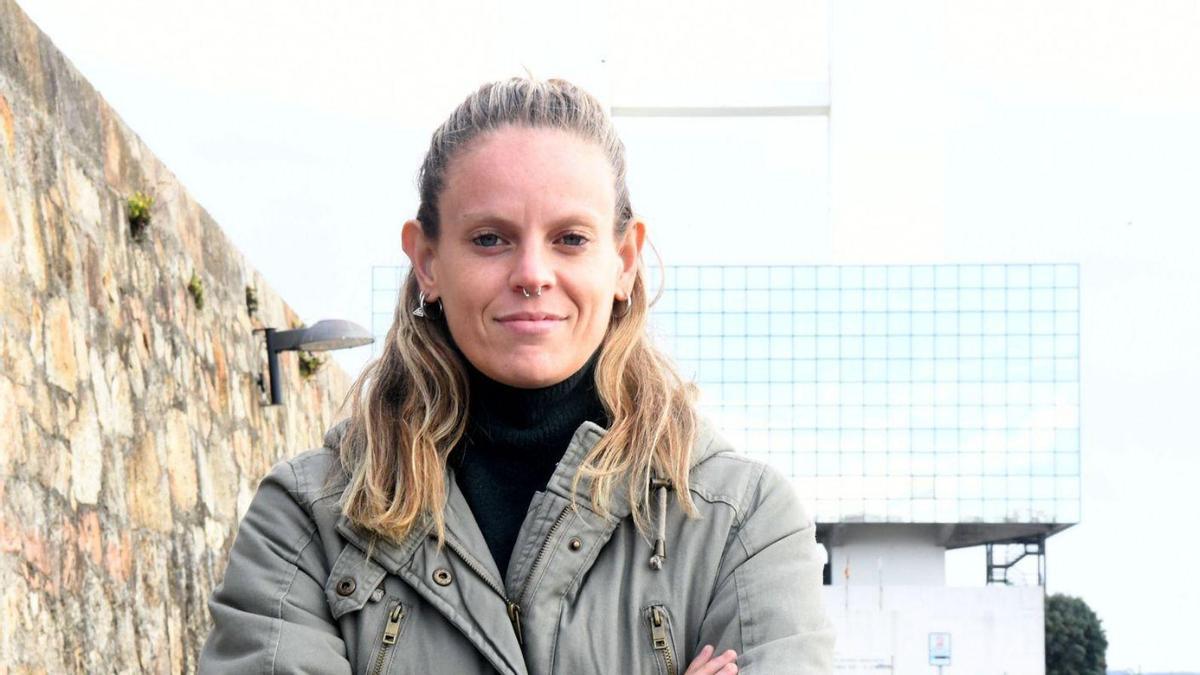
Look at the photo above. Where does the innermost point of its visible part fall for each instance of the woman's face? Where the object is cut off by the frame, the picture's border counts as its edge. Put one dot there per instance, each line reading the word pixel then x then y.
pixel 527 209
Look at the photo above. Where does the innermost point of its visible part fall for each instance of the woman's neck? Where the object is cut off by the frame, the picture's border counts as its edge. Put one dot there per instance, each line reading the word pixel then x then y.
pixel 495 404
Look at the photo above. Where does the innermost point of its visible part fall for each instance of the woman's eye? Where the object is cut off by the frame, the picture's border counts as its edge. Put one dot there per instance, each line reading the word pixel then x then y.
pixel 487 239
pixel 573 239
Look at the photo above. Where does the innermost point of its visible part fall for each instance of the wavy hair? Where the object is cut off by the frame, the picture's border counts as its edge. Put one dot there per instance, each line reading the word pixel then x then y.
pixel 408 407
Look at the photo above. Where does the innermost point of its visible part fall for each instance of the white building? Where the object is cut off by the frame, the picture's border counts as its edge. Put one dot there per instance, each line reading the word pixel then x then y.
pixel 918 408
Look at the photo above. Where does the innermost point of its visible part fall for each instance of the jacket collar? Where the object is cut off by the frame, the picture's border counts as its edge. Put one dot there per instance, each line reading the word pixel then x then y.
pixel 708 442
pixel 459 520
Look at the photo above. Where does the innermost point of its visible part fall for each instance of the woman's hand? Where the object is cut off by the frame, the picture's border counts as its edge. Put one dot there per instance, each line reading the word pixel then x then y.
pixel 707 664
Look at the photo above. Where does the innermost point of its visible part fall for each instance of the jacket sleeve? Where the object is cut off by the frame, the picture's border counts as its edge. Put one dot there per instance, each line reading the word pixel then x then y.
pixel 269 613
pixel 767 600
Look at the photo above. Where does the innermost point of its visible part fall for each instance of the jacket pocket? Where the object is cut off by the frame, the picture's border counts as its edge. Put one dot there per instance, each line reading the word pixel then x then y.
pixel 662 642
pixel 392 626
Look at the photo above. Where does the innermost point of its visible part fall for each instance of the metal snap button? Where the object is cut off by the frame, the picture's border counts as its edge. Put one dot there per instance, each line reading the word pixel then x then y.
pixel 441 576
pixel 346 586
pixel 575 544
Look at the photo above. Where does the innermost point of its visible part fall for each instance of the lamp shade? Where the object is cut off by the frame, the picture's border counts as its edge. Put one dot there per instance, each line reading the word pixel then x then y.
pixel 334 334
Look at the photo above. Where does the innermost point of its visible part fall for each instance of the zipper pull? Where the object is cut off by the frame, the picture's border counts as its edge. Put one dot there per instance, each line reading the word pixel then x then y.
pixel 514 615
pixel 658 629
pixel 393 625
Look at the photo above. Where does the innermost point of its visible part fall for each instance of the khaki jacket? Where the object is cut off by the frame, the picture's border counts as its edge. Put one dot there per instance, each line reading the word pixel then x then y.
pixel 581 594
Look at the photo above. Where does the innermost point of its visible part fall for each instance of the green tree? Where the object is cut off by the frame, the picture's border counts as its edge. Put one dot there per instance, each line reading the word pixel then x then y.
pixel 1075 641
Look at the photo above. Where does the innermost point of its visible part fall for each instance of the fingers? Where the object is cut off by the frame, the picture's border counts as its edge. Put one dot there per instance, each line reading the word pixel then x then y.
pixel 700 659
pixel 706 664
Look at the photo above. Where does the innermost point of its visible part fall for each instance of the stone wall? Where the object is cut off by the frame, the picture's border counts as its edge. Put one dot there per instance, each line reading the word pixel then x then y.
pixel 132 430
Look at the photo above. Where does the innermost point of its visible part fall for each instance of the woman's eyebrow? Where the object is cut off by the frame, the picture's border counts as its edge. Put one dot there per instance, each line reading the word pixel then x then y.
pixel 582 219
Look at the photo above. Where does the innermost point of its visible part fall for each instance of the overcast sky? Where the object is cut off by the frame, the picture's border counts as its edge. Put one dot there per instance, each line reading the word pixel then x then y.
pixel 970 131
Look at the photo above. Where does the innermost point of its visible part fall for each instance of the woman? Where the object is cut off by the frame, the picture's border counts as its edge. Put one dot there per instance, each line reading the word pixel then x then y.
pixel 523 485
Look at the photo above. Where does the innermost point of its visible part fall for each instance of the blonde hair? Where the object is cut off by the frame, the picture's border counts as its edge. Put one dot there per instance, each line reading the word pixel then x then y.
pixel 408 406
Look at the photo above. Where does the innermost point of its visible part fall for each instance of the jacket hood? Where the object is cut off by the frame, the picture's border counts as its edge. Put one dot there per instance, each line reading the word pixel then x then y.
pixel 709 442
pixel 333 435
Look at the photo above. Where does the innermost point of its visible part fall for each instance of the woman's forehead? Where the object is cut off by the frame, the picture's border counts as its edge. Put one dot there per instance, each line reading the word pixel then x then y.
pixel 511 171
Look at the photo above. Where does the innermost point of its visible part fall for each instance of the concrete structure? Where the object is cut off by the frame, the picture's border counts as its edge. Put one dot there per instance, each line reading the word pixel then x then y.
pixel 886 628
pixel 888 595
pixel 885 554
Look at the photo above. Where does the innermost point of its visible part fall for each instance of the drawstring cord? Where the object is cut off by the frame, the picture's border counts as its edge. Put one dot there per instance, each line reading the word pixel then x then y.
pixel 660 541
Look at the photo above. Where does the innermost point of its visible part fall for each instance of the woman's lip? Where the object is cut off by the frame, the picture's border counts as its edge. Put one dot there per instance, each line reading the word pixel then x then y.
pixel 530 316
pixel 530 326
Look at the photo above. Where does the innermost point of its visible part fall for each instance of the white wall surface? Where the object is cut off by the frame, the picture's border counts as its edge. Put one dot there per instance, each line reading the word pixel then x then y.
pixel 977 131
pixel 870 555
pixel 994 630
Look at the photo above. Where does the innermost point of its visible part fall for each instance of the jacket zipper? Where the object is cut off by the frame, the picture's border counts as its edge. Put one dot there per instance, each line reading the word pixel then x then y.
pixel 514 611
pixel 542 551
pixel 390 632
pixel 660 636
pixel 514 607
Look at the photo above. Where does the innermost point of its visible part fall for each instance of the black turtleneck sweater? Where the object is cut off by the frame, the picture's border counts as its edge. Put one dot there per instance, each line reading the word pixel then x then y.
pixel 514 440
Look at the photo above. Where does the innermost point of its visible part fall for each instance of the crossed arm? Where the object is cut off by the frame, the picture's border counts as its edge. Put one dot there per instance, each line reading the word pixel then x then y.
pixel 269 612
pixel 767 605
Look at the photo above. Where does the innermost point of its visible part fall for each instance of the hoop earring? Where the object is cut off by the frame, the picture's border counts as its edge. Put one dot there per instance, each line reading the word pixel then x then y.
pixel 628 307
pixel 420 310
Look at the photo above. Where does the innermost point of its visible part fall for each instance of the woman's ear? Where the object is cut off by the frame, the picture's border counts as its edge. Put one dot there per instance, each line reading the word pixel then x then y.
pixel 420 252
pixel 629 250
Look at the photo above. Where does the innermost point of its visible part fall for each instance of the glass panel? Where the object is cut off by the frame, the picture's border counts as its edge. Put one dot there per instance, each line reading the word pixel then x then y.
pixel 949 401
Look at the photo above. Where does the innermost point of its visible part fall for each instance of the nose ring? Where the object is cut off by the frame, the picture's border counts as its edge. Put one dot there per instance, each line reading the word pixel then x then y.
pixel 526 291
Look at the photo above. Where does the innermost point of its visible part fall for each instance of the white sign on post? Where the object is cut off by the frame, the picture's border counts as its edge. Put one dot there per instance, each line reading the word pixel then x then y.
pixel 939 649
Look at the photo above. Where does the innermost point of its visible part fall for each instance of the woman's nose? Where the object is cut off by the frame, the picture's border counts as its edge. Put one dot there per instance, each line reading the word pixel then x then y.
pixel 532 272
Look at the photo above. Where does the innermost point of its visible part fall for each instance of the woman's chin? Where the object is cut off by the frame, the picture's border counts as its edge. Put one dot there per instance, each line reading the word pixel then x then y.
pixel 530 371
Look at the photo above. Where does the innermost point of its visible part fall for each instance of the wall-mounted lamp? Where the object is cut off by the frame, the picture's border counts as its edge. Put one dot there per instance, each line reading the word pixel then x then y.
pixel 321 336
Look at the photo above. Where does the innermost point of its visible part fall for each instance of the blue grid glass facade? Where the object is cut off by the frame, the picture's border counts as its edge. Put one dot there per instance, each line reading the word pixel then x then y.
pixel 890 393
